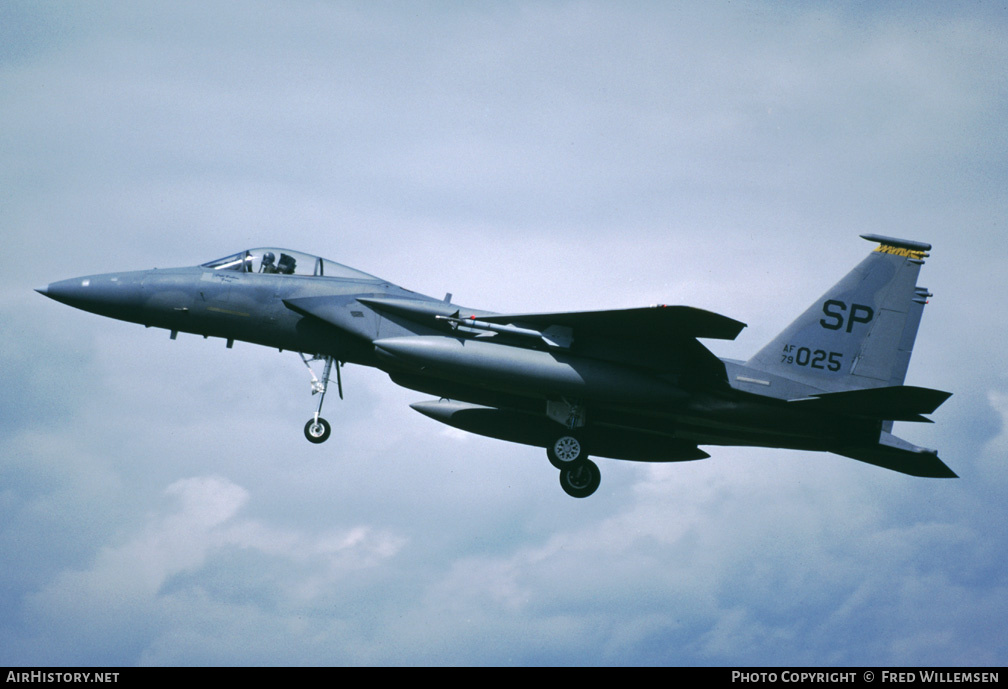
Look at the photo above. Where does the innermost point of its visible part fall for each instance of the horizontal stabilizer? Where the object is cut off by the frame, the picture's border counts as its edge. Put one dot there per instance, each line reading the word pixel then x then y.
pixel 657 322
pixel 898 455
pixel 896 403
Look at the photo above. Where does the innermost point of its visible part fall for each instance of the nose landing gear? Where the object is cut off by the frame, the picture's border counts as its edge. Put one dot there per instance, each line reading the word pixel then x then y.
pixel 318 430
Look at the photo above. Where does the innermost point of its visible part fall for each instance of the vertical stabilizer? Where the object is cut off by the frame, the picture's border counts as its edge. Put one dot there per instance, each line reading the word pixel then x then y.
pixel 861 333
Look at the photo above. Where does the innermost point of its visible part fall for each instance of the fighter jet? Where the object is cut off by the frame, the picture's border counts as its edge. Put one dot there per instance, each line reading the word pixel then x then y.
pixel 633 384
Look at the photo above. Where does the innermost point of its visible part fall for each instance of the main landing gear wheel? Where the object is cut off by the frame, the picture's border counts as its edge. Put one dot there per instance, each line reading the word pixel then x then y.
pixel 565 451
pixel 580 480
pixel 317 430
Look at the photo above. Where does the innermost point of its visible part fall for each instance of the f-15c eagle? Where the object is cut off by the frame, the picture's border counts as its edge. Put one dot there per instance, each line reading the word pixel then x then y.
pixel 633 384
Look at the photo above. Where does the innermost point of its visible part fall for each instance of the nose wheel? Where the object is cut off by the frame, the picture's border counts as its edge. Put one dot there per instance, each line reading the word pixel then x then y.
pixel 318 430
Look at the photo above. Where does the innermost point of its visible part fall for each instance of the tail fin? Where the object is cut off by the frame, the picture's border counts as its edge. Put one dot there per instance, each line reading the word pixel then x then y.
pixel 860 334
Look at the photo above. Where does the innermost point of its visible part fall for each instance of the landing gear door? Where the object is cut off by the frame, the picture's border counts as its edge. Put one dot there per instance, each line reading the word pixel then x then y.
pixel 566 414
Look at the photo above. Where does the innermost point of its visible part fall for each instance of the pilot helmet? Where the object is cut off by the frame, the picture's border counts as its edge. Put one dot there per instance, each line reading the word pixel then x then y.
pixel 268 257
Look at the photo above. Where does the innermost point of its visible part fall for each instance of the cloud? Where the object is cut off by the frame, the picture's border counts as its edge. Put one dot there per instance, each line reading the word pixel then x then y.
pixel 144 585
pixel 161 502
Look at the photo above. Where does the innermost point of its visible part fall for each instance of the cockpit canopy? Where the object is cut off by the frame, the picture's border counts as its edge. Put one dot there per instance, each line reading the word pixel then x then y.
pixel 285 262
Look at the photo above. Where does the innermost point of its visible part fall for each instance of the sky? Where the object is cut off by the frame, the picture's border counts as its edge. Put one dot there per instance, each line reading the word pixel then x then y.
pixel 158 502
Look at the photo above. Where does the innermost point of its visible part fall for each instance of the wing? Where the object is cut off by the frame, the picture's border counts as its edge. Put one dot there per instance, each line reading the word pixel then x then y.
pixel 663 338
pixel 649 323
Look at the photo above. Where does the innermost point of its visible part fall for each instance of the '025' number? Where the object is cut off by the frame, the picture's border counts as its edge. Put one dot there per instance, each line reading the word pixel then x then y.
pixel 818 359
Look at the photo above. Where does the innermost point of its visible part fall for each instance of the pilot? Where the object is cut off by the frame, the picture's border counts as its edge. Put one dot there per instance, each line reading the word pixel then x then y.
pixel 267 263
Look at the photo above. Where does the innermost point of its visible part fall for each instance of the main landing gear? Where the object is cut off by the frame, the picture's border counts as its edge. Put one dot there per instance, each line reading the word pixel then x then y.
pixel 579 476
pixel 318 430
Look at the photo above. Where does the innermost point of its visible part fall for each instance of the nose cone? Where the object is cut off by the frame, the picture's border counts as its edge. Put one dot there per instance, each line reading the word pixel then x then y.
pixel 116 295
